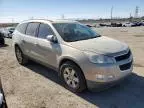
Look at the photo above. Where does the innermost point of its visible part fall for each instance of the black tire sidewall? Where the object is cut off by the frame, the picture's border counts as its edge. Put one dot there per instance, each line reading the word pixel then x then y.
pixel 2 42
pixel 16 49
pixel 24 59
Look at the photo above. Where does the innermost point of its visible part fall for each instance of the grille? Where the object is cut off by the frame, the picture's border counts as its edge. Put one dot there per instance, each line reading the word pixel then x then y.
pixel 123 57
pixel 125 66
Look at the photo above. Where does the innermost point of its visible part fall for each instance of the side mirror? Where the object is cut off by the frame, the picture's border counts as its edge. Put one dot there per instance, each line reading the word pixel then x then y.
pixel 52 38
pixel 11 32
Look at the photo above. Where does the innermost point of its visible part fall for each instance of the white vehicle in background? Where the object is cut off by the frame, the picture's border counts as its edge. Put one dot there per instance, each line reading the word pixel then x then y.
pixel 142 24
pixel 128 24
pixel 7 32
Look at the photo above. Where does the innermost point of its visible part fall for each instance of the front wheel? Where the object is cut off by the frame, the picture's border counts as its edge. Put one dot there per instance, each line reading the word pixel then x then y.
pixel 20 56
pixel 72 77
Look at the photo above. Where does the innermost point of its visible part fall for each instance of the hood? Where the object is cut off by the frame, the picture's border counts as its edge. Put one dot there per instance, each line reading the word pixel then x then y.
pixel 100 45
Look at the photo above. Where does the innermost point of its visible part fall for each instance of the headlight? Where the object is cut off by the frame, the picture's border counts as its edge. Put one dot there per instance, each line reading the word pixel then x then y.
pixel 101 59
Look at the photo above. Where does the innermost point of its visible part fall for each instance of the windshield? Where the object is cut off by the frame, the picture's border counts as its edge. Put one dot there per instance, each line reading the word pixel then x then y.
pixel 71 32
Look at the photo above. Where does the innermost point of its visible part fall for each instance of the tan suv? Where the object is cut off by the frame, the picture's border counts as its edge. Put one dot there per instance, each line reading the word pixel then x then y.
pixel 83 58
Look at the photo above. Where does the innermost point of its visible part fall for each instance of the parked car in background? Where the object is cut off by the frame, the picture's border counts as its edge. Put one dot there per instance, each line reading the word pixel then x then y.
pixel 8 32
pixel 128 24
pixel 104 25
pixel 2 31
pixel 132 24
pixel 116 25
pixel 88 25
pixel 142 23
pixel 135 24
pixel 82 57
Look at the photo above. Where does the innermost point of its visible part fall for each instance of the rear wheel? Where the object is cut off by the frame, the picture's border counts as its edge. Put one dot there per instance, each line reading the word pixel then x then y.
pixel 72 77
pixel 20 56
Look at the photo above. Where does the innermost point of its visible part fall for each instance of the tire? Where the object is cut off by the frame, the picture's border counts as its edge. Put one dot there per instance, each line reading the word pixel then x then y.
pixel 75 75
pixel 2 41
pixel 23 60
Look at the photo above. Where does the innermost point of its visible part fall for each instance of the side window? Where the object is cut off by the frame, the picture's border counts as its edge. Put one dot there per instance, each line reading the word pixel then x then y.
pixel 44 31
pixel 22 28
pixel 32 29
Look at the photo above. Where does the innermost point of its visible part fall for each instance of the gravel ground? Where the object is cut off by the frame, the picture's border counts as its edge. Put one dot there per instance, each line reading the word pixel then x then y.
pixel 36 86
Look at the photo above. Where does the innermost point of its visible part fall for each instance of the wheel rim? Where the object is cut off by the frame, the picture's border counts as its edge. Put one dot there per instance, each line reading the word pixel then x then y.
pixel 71 78
pixel 19 55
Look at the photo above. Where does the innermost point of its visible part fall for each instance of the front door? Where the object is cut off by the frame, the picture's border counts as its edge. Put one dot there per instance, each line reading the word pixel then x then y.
pixel 47 50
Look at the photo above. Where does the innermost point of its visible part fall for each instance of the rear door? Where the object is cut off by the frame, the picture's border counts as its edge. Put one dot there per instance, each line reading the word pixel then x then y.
pixel 30 39
pixel 19 34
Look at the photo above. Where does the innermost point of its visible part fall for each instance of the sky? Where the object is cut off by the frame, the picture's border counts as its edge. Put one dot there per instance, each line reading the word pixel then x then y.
pixel 19 10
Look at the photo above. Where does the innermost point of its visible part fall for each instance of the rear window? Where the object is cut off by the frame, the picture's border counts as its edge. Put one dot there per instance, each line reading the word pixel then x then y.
pixel 22 28
pixel 32 29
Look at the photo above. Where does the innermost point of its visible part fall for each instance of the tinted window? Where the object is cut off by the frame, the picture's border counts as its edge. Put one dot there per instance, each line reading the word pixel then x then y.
pixel 22 28
pixel 32 29
pixel 44 31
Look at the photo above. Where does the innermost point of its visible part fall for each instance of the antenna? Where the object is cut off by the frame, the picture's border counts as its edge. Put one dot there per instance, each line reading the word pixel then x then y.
pixel 62 16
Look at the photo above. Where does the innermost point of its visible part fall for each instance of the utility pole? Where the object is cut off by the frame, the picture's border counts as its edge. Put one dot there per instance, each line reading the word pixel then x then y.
pixel 130 18
pixel 62 16
pixel 130 15
pixel 136 11
pixel 111 13
pixel 31 18
pixel 12 20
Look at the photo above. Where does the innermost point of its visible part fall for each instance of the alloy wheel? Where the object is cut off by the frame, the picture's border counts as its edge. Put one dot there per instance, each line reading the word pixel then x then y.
pixel 71 77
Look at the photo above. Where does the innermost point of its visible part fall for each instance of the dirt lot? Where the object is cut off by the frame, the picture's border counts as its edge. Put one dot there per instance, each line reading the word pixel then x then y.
pixel 36 86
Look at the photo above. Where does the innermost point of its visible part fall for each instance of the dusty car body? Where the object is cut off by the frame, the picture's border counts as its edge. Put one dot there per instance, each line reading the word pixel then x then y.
pixel 83 58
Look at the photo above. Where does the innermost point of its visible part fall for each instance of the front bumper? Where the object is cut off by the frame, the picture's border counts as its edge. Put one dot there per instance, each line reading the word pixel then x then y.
pixel 101 76
pixel 99 86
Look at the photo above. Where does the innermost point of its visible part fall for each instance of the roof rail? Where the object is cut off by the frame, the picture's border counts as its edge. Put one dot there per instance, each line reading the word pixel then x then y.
pixel 43 19
pixel 37 19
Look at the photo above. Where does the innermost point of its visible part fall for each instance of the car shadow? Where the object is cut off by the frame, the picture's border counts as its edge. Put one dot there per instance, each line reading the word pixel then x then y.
pixel 44 71
pixel 127 94
pixel 5 45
